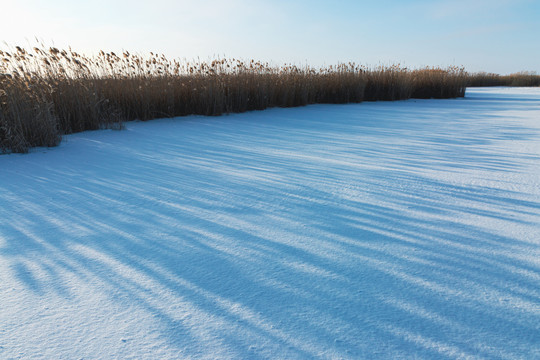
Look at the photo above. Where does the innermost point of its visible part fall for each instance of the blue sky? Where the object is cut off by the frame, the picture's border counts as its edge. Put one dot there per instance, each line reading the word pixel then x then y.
pixel 491 35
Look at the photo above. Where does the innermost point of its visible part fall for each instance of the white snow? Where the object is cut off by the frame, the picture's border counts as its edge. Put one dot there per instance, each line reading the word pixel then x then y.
pixel 385 230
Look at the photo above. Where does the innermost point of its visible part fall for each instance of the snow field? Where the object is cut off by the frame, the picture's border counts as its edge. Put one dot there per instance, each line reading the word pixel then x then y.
pixel 375 230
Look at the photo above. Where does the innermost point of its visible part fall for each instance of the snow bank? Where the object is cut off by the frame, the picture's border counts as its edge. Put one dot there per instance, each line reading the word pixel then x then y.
pixel 373 230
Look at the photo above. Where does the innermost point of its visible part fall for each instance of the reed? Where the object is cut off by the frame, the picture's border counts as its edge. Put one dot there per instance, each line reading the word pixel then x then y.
pixel 48 92
pixel 490 79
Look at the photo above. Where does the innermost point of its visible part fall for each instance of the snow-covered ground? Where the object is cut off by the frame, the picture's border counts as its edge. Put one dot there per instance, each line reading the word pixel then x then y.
pixel 375 230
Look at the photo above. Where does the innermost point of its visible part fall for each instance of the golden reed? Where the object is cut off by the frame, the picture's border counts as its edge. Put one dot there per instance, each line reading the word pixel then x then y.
pixel 45 93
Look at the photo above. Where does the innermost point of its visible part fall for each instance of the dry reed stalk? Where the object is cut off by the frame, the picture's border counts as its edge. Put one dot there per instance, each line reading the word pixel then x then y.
pixel 489 79
pixel 45 93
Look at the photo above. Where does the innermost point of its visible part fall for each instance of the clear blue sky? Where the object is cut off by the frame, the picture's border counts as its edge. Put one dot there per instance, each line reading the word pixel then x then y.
pixel 493 35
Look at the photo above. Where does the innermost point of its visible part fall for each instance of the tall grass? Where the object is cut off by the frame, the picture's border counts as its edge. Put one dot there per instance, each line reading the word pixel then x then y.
pixel 490 79
pixel 45 93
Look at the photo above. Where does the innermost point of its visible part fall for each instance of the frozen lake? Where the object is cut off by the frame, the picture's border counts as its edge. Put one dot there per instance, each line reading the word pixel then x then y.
pixel 375 230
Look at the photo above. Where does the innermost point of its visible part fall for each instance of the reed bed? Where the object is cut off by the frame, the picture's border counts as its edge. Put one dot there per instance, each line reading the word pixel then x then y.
pixel 526 79
pixel 48 92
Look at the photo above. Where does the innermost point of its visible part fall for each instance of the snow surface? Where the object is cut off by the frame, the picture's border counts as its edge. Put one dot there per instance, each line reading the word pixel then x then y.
pixel 375 230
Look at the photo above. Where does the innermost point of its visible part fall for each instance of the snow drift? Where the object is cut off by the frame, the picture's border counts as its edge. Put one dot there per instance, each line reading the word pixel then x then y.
pixel 373 230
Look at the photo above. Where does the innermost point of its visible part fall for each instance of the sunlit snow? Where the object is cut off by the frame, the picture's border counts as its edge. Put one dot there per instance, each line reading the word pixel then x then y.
pixel 375 230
